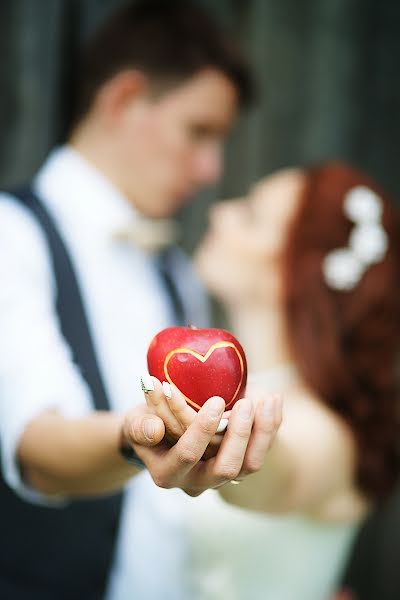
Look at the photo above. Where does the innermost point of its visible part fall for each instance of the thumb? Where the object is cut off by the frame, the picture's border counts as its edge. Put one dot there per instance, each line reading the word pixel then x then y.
pixel 145 430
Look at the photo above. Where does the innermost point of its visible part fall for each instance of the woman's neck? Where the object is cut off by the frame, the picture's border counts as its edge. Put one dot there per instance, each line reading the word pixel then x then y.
pixel 261 331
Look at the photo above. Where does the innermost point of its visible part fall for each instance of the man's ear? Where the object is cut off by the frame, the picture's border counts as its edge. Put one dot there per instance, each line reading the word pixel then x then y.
pixel 119 92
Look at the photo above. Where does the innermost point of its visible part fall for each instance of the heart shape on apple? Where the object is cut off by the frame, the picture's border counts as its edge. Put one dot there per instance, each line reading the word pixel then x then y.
pixel 200 362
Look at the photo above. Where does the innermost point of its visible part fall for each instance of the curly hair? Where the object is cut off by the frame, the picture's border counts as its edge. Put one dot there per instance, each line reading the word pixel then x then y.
pixel 346 343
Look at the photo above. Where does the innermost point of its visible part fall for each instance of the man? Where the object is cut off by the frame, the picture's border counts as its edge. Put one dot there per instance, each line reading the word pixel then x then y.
pixel 160 88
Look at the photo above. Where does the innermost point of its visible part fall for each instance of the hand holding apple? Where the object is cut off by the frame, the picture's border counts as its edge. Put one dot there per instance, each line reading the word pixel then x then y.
pixel 190 455
pixel 203 369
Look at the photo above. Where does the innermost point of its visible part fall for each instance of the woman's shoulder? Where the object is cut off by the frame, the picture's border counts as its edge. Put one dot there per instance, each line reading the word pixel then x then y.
pixel 325 454
pixel 305 403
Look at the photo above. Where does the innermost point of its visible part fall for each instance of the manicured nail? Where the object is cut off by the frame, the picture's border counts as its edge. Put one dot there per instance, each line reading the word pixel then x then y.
pixel 167 390
pixel 146 383
pixel 148 428
pixel 245 409
pixel 223 424
pixel 215 406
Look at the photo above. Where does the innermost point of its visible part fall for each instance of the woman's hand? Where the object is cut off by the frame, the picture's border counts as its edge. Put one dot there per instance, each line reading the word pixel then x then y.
pixel 241 450
pixel 169 404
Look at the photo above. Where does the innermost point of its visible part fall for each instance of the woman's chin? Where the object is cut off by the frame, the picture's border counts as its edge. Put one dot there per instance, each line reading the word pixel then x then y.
pixel 207 272
pixel 201 260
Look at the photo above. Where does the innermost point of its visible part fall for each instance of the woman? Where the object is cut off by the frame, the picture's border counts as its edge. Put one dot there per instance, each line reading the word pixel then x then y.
pixel 308 271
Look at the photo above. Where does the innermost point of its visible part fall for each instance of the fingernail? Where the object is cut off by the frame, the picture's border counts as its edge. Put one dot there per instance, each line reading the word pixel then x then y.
pixel 148 428
pixel 167 389
pixel 146 383
pixel 245 409
pixel 223 424
pixel 215 406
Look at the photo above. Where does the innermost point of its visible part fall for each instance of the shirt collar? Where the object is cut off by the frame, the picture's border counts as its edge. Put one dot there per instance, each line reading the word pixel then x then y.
pixel 75 189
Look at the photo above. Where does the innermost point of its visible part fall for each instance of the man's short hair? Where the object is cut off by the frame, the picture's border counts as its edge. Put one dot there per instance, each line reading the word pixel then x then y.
pixel 167 40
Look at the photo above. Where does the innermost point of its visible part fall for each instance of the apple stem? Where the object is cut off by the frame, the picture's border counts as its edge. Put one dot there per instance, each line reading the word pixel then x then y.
pixel 191 326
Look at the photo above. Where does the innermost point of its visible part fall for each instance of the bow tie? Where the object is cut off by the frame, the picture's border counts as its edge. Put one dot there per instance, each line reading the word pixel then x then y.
pixel 158 237
pixel 152 235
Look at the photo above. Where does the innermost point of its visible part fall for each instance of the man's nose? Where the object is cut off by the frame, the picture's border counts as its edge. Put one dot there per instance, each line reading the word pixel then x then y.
pixel 207 167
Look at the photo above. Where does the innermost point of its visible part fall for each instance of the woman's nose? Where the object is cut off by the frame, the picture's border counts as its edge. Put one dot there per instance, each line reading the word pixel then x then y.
pixel 225 210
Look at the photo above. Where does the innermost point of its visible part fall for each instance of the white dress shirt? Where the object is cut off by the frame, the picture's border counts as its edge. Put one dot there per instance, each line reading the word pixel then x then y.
pixel 126 307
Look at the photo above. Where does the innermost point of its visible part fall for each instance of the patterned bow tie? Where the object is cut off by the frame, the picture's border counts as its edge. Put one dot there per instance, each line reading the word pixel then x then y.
pixel 152 235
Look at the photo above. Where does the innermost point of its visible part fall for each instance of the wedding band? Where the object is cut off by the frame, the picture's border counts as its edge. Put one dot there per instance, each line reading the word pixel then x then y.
pixel 235 481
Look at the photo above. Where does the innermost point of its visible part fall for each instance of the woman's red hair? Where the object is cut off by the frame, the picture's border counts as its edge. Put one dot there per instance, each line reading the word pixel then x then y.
pixel 346 343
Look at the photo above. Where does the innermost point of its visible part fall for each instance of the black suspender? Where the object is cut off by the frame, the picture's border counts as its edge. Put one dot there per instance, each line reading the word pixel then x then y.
pixel 64 552
pixel 164 267
pixel 70 308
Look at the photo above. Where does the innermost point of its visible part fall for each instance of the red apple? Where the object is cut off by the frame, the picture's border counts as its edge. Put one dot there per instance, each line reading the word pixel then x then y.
pixel 200 362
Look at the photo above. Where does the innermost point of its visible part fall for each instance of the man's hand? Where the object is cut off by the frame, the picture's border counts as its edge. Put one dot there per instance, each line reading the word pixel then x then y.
pixel 242 448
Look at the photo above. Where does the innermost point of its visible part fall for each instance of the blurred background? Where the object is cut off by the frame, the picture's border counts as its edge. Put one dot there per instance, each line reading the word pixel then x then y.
pixel 329 85
pixel 328 73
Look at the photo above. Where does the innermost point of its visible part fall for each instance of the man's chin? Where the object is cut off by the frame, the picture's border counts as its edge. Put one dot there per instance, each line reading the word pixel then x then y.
pixel 161 212
pixel 163 206
pixel 171 207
